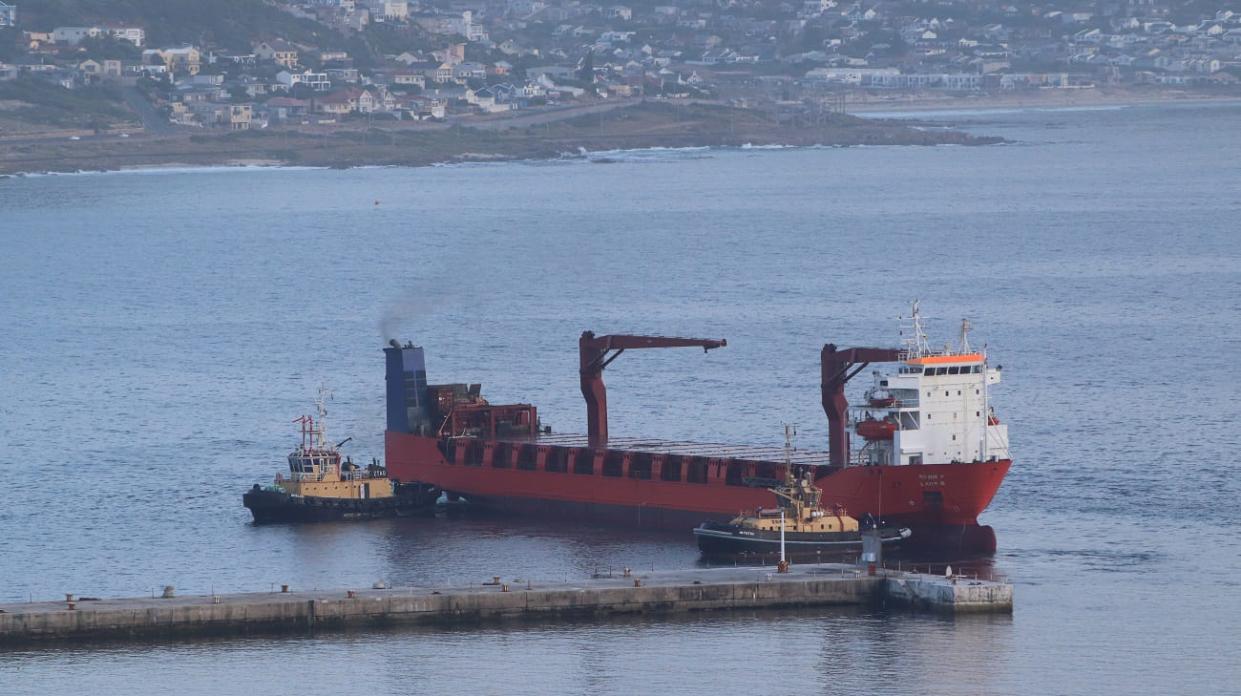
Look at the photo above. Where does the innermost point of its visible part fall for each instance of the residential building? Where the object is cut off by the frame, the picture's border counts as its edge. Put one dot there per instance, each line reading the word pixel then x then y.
pixel 8 15
pixel 317 81
pixel 134 35
pixel 345 101
pixel 278 52
pixel 286 108
pixel 409 78
pixel 72 36
pixel 178 60
pixel 238 116
pixel 334 104
pixel 389 10
pixel 343 75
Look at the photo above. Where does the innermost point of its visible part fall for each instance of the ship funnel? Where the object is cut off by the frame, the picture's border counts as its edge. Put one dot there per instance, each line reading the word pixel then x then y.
pixel 408 407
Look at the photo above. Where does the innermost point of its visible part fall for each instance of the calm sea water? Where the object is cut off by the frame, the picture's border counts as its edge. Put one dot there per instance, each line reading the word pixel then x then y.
pixel 162 329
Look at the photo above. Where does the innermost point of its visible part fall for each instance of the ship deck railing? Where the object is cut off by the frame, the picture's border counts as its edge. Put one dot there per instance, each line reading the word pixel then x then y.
pixel 775 454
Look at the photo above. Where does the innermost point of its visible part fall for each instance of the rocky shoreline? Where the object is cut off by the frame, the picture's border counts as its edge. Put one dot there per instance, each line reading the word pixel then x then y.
pixel 640 125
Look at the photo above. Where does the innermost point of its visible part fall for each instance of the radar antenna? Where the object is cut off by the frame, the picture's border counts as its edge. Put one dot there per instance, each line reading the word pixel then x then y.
pixel 916 345
pixel 320 432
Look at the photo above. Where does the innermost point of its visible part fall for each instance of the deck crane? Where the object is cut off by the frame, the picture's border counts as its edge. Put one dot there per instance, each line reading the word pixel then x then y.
pixel 838 367
pixel 597 352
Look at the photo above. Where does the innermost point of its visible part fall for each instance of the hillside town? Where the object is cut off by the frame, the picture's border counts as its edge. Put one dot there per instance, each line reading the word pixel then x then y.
pixel 432 60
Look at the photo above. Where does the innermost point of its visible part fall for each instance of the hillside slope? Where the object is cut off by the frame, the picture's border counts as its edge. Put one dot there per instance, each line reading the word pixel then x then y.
pixel 232 24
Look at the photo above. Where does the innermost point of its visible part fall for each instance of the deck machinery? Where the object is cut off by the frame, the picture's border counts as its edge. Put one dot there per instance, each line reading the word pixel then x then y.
pixel 500 455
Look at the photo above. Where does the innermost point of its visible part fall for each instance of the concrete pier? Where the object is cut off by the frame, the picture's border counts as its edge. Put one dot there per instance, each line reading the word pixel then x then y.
pixel 660 592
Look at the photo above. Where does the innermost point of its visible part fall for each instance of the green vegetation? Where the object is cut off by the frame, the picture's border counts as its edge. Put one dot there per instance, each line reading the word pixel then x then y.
pixel 89 107
pixel 232 24
pixel 106 47
pixel 10 50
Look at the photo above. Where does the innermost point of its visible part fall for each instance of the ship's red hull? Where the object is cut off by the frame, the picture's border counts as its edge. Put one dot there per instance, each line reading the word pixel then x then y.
pixel 930 496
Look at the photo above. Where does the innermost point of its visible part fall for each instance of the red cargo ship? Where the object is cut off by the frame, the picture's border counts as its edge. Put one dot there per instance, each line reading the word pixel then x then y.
pixel 933 457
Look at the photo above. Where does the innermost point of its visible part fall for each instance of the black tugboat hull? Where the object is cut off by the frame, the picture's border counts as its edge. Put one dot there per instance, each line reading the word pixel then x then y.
pixel 276 507
pixel 729 540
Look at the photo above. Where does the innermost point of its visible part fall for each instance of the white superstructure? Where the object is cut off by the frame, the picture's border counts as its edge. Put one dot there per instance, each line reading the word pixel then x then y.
pixel 934 410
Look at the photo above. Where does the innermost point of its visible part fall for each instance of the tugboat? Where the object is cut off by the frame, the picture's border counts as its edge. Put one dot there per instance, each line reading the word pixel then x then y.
pixel 321 488
pixel 808 528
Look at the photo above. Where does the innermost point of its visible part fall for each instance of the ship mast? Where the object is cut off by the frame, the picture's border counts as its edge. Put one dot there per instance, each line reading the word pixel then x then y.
pixel 986 412
pixel 916 345
pixel 320 434
pixel 790 431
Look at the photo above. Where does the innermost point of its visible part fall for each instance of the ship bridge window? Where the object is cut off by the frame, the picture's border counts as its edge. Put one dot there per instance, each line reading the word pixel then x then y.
pixel 954 370
pixel 584 462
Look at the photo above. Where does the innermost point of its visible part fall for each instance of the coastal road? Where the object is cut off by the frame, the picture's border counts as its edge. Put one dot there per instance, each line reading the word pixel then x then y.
pixel 550 115
pixel 153 121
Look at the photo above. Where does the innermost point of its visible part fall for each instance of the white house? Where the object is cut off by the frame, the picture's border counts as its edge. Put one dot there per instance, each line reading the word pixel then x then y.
pixel 317 81
pixel 389 10
pixel 73 36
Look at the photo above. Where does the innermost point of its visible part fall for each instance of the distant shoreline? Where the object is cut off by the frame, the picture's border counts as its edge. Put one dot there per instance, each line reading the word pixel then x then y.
pixel 870 103
pixel 635 126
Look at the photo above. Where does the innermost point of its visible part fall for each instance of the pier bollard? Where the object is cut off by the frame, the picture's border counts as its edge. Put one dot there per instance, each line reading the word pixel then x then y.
pixel 72 605
pixel 284 588
pixel 169 592
pixel 637 582
pixel 504 588
pixel 628 571
pixel 351 594
pixel 782 567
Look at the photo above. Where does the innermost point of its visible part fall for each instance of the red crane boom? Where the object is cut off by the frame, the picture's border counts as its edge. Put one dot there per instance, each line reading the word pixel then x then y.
pixel 597 352
pixel 838 367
